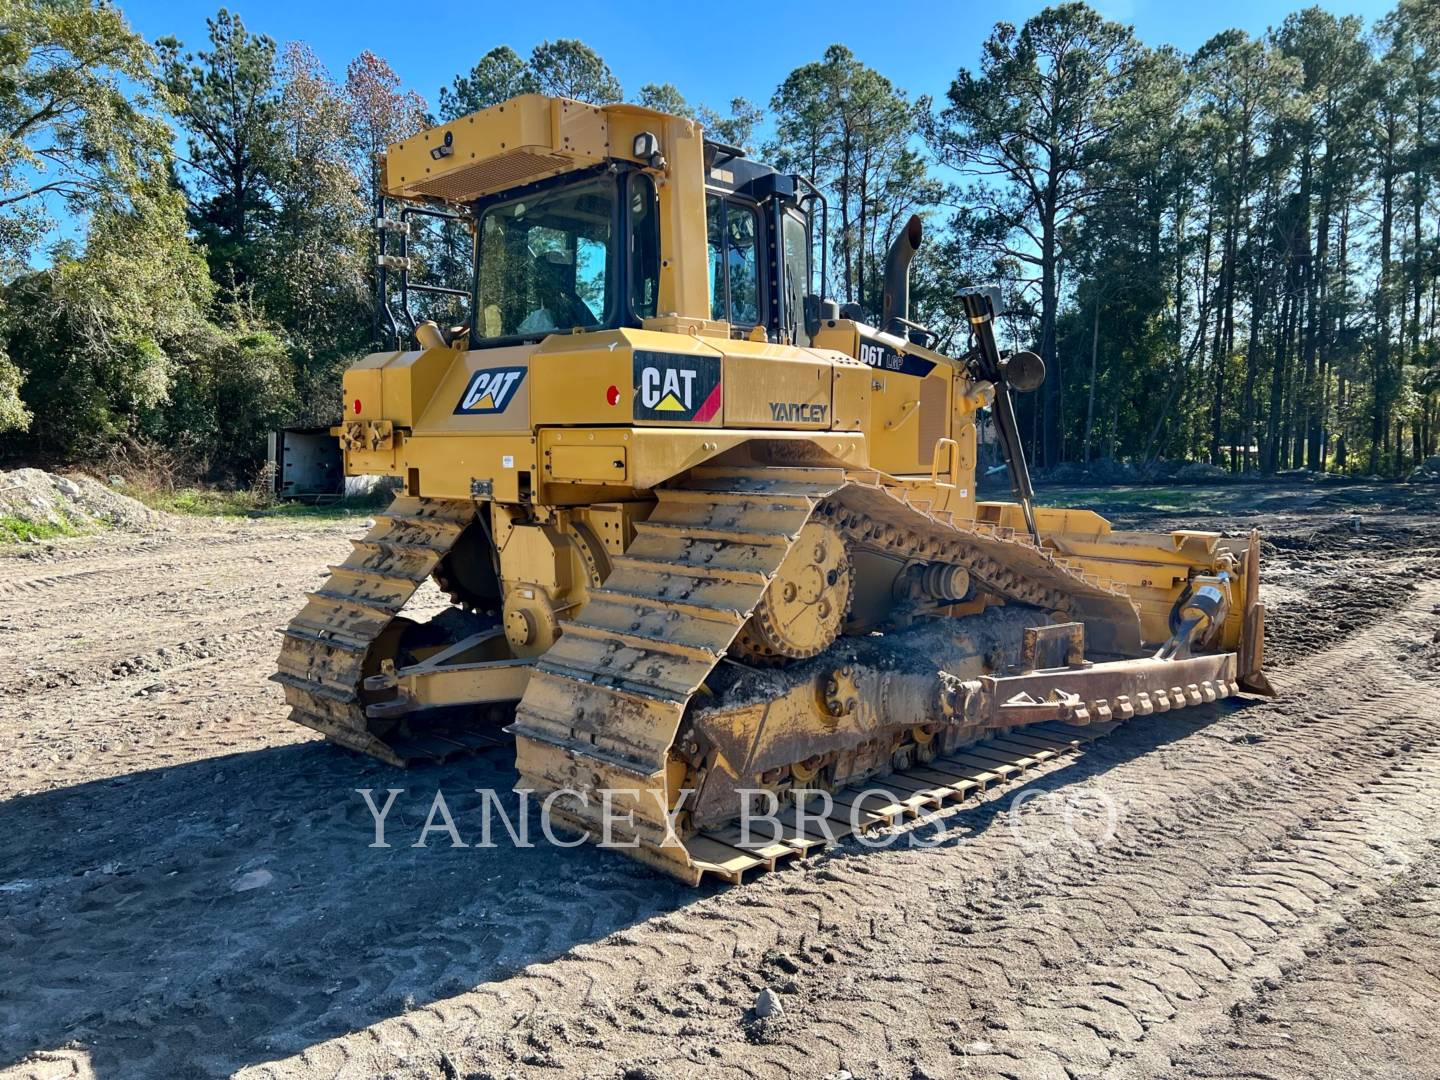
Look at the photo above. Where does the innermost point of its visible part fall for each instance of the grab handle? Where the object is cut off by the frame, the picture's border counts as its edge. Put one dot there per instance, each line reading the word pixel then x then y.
pixel 952 463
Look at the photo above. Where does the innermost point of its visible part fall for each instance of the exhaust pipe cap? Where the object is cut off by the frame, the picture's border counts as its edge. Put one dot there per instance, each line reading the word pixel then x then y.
pixel 896 300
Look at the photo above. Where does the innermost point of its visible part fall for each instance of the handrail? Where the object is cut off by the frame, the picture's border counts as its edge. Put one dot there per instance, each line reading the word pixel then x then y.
pixel 952 470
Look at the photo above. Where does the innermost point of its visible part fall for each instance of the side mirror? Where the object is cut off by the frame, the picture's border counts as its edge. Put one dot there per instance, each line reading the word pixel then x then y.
pixel 810 306
pixel 1024 371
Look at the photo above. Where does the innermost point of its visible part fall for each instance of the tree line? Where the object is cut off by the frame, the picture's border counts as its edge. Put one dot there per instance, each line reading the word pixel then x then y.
pixel 1229 256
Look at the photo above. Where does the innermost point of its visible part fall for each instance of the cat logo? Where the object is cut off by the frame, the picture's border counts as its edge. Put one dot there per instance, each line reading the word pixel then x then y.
pixel 673 387
pixel 667 390
pixel 490 391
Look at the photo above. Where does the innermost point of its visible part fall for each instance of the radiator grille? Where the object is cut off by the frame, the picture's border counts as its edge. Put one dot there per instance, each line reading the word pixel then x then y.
pixel 932 416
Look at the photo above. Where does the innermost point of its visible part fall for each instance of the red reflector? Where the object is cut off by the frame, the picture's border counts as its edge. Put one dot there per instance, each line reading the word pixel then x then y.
pixel 613 395
pixel 357 406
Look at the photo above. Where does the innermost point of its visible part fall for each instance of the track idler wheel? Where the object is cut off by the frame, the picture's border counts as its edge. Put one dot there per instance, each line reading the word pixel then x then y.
pixel 804 606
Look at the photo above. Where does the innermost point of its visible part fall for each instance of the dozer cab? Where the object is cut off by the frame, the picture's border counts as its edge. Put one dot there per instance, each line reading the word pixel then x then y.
pixel 711 541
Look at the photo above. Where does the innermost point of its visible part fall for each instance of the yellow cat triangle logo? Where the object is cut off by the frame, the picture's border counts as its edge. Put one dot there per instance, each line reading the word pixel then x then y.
pixel 486 402
pixel 670 403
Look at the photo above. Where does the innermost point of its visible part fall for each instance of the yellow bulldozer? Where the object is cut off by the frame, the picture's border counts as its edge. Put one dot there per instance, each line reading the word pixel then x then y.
pixel 711 540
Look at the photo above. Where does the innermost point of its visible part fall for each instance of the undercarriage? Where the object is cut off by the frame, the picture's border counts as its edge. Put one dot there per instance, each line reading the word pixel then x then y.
pixel 769 634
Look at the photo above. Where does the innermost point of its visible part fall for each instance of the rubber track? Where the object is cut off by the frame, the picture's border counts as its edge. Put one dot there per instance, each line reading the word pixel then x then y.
pixel 323 660
pixel 612 692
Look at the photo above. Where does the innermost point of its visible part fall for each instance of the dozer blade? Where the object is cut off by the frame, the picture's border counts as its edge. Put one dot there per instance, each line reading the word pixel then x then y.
pixel 349 626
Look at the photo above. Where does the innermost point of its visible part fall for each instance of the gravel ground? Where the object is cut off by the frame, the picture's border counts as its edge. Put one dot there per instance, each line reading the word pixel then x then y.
pixel 186 886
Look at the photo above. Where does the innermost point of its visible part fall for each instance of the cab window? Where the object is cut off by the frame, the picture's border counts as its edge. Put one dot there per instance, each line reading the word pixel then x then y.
pixel 796 285
pixel 544 262
pixel 644 247
pixel 734 241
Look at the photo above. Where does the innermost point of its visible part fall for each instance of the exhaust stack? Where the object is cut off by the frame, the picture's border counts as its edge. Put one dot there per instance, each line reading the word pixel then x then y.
pixel 896 302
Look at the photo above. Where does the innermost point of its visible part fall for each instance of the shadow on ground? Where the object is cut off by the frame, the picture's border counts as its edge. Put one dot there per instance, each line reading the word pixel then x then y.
pixel 127 929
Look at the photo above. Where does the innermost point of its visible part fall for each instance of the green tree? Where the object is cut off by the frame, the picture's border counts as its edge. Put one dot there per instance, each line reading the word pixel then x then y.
pixel 13 413
pixel 75 132
pixel 850 130
pixel 314 283
pixel 500 75
pixel 665 98
pixel 1122 318
pixel 570 68
pixel 565 68
pixel 1412 34
pixel 1336 76
pixel 227 101
pixel 104 332
pixel 737 127
pixel 1247 97
pixel 237 385
pixel 1027 127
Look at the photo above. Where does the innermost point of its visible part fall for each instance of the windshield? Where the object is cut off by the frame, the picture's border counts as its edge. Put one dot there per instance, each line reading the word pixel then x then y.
pixel 544 261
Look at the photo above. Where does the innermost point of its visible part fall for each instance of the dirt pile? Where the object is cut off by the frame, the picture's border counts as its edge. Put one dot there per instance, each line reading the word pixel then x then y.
pixel 81 502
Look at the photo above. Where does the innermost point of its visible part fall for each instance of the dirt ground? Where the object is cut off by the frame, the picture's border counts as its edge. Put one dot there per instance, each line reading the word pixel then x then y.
pixel 186 886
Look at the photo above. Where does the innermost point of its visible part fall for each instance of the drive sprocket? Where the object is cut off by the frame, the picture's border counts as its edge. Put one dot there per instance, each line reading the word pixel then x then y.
pixel 804 607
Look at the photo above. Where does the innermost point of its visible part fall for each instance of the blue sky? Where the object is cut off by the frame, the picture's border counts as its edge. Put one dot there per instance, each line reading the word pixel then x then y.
pixel 710 51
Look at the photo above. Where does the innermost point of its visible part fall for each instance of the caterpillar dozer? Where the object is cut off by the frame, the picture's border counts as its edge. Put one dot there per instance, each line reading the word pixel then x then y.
pixel 712 541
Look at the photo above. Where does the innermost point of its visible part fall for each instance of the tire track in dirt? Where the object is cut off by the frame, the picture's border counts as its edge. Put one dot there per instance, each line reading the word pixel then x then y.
pixel 1363 1002
pixel 181 552
pixel 131 940
pixel 153 824
pixel 1315 878
pixel 987 956
pixel 1234 836
pixel 156 654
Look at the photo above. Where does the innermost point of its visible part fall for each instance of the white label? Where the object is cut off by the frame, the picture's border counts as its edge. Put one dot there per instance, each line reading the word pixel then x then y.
pixel 508 461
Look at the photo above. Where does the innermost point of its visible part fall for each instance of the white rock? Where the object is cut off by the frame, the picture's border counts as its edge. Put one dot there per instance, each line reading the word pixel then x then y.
pixel 255 879
pixel 767 1003
pixel 67 487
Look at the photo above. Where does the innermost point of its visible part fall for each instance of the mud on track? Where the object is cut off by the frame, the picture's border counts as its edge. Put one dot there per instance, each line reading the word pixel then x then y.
pixel 1267 901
